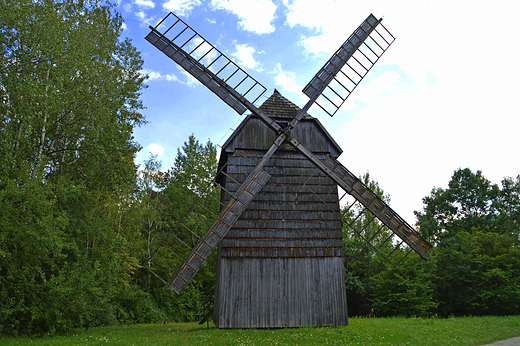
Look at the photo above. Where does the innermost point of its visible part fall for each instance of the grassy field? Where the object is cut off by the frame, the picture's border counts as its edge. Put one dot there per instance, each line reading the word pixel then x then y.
pixel 361 331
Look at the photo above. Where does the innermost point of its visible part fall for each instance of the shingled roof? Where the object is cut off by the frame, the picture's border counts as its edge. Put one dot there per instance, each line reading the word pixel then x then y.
pixel 279 107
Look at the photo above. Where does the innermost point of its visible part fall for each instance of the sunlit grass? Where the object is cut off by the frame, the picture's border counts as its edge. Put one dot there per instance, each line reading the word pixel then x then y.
pixel 361 331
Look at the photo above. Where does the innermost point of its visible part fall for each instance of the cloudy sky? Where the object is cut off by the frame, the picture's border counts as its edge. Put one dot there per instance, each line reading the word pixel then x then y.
pixel 444 95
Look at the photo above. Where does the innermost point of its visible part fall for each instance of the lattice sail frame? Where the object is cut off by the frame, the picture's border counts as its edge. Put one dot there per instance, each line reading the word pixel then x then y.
pixel 343 72
pixel 232 95
pixel 205 62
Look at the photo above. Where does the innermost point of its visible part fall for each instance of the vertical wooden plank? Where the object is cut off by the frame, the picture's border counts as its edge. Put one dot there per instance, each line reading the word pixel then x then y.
pixel 256 275
pixel 248 293
pixel 292 291
pixel 277 293
pixel 321 293
pixel 228 311
pixel 336 296
pixel 274 299
pixel 223 292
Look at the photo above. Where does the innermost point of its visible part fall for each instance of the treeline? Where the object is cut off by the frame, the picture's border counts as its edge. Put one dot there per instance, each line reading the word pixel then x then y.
pixel 474 267
pixel 79 220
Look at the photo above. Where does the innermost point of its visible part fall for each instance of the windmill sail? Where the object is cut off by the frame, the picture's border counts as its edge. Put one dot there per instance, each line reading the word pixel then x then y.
pixel 205 62
pixel 340 75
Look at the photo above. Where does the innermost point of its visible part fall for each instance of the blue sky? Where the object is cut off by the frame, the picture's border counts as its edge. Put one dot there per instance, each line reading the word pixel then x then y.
pixel 444 95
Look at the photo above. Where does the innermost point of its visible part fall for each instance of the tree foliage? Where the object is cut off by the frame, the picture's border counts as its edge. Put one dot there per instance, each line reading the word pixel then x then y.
pixel 374 284
pixel 471 201
pixel 70 92
pixel 165 200
pixel 474 224
pixel 69 101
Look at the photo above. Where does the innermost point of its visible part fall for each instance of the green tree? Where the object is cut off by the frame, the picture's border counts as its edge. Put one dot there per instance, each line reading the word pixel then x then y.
pixel 151 182
pixel 397 294
pixel 70 91
pixel 69 101
pixel 189 186
pixel 374 270
pixel 189 204
pixel 362 234
pixel 477 273
pixel 509 207
pixel 475 226
pixel 469 201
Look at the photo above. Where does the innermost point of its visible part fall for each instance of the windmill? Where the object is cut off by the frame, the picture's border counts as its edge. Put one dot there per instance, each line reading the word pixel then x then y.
pixel 271 274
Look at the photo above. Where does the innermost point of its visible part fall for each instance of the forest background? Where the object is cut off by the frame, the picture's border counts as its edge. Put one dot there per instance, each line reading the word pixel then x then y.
pixel 79 219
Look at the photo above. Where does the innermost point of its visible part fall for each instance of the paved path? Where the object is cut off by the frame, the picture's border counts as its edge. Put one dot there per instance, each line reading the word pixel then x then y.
pixel 508 342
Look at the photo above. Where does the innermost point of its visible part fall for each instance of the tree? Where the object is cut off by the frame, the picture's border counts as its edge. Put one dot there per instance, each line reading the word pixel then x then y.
pixel 189 184
pixel 151 182
pixel 470 200
pixel 475 226
pixel 477 273
pixel 70 91
pixel 509 206
pixel 69 101
pixel 410 295
pixel 361 234
pixel 374 279
pixel 189 204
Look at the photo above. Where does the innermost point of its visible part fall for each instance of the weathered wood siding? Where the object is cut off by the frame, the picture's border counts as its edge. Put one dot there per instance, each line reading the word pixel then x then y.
pixel 296 214
pixel 281 292
pixel 281 264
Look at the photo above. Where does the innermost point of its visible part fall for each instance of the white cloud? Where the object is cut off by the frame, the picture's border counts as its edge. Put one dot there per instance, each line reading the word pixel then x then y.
pixel 255 15
pixel 330 20
pixel 181 7
pixel 157 76
pixel 190 80
pixel 384 84
pixel 244 55
pixel 144 19
pixel 127 7
pixel 156 149
pixel 144 3
pixel 286 80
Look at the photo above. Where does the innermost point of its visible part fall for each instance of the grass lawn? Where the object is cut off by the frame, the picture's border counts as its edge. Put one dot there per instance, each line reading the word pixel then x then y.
pixel 361 331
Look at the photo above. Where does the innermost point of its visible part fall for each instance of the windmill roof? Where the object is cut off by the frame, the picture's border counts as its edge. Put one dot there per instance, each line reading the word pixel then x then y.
pixel 280 108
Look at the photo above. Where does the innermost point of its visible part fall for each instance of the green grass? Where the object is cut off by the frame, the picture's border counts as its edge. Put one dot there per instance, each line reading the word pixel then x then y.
pixel 362 331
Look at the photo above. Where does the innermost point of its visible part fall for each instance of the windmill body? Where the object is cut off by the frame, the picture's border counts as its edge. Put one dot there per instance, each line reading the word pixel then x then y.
pixel 281 264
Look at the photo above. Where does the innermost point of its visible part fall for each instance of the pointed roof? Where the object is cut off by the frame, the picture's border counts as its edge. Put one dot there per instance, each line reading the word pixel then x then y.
pixel 279 107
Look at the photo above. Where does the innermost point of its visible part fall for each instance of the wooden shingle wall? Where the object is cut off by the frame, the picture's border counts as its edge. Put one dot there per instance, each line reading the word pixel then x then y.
pixel 296 214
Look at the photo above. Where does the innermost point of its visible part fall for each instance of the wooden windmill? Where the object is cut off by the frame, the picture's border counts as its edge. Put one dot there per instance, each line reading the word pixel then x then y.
pixel 279 233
